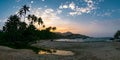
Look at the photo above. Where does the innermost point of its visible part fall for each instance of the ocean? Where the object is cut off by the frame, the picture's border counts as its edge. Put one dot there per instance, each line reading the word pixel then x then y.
pixel 86 40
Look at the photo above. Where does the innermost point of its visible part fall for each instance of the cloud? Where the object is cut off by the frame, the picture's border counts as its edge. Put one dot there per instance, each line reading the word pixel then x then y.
pixel 32 2
pixel 74 13
pixel 60 7
pixel 2 22
pixel 59 11
pixel 43 0
pixel 87 9
pixel 63 7
pixel 79 10
pixel 89 3
pixel 49 10
pixel 72 5
pixel 47 14
pixel 51 18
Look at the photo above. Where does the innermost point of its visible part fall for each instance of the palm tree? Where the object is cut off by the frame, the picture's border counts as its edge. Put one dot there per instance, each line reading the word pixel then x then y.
pixel 43 26
pixel 40 21
pixel 34 19
pixel 48 29
pixel 29 17
pixel 23 11
pixel 20 13
pixel 54 28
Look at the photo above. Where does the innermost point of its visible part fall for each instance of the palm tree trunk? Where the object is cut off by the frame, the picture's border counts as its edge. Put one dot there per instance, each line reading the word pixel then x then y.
pixel 24 18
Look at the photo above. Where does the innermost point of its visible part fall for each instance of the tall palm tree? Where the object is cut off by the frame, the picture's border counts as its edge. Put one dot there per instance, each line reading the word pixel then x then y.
pixel 29 17
pixel 40 21
pixel 23 11
pixel 20 13
pixel 32 18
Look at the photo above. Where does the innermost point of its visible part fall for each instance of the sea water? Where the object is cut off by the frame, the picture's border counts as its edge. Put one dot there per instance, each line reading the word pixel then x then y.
pixel 86 40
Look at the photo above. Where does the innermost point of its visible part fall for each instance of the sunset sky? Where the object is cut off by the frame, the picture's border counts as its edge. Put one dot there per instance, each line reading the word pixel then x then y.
pixel 97 18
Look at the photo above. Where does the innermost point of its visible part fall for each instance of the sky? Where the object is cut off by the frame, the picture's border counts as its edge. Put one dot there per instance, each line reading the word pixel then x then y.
pixel 96 18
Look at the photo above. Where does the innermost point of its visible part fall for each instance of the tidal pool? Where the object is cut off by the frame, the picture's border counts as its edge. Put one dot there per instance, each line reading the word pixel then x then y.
pixel 57 52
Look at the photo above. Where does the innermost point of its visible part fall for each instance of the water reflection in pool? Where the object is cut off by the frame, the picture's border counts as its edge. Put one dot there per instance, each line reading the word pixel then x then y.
pixel 57 52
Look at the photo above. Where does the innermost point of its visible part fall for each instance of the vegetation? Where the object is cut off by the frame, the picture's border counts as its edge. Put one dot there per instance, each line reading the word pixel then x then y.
pixel 16 33
pixel 20 35
pixel 117 35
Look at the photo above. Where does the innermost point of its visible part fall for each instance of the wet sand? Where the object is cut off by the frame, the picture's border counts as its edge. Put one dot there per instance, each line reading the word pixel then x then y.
pixel 82 51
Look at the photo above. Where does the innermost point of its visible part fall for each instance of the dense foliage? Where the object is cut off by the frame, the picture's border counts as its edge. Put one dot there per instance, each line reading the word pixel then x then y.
pixel 18 34
pixel 117 35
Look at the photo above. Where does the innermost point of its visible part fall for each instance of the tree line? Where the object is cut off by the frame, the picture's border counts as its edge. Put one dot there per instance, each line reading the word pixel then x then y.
pixel 19 34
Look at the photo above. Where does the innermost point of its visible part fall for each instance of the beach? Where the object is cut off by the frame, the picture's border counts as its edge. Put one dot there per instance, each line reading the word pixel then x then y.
pixel 81 50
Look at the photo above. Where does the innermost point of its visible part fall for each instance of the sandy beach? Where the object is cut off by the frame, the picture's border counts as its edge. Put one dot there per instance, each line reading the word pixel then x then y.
pixel 82 51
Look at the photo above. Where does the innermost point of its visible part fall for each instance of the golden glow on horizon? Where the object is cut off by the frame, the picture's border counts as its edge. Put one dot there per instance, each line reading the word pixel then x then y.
pixel 65 26
pixel 61 29
pixel 50 18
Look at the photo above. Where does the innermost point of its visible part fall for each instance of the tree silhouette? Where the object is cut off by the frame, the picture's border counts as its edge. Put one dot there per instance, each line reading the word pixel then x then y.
pixel 12 29
pixel 48 29
pixel 23 11
pixel 20 13
pixel 40 21
pixel 18 34
pixel 34 19
pixel 54 28
pixel 23 26
pixel 43 26
pixel 117 35
pixel 12 24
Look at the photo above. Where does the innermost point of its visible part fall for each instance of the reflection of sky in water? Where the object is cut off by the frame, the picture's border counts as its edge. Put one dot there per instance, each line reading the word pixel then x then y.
pixel 57 52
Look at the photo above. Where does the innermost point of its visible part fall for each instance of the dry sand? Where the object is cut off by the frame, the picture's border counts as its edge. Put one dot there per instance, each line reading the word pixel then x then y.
pixel 82 51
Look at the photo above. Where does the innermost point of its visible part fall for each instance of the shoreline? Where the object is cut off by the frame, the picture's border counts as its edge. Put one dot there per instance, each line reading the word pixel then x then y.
pixel 83 51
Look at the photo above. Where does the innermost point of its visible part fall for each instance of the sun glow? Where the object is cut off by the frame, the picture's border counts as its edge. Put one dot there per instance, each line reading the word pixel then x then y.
pixel 51 19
